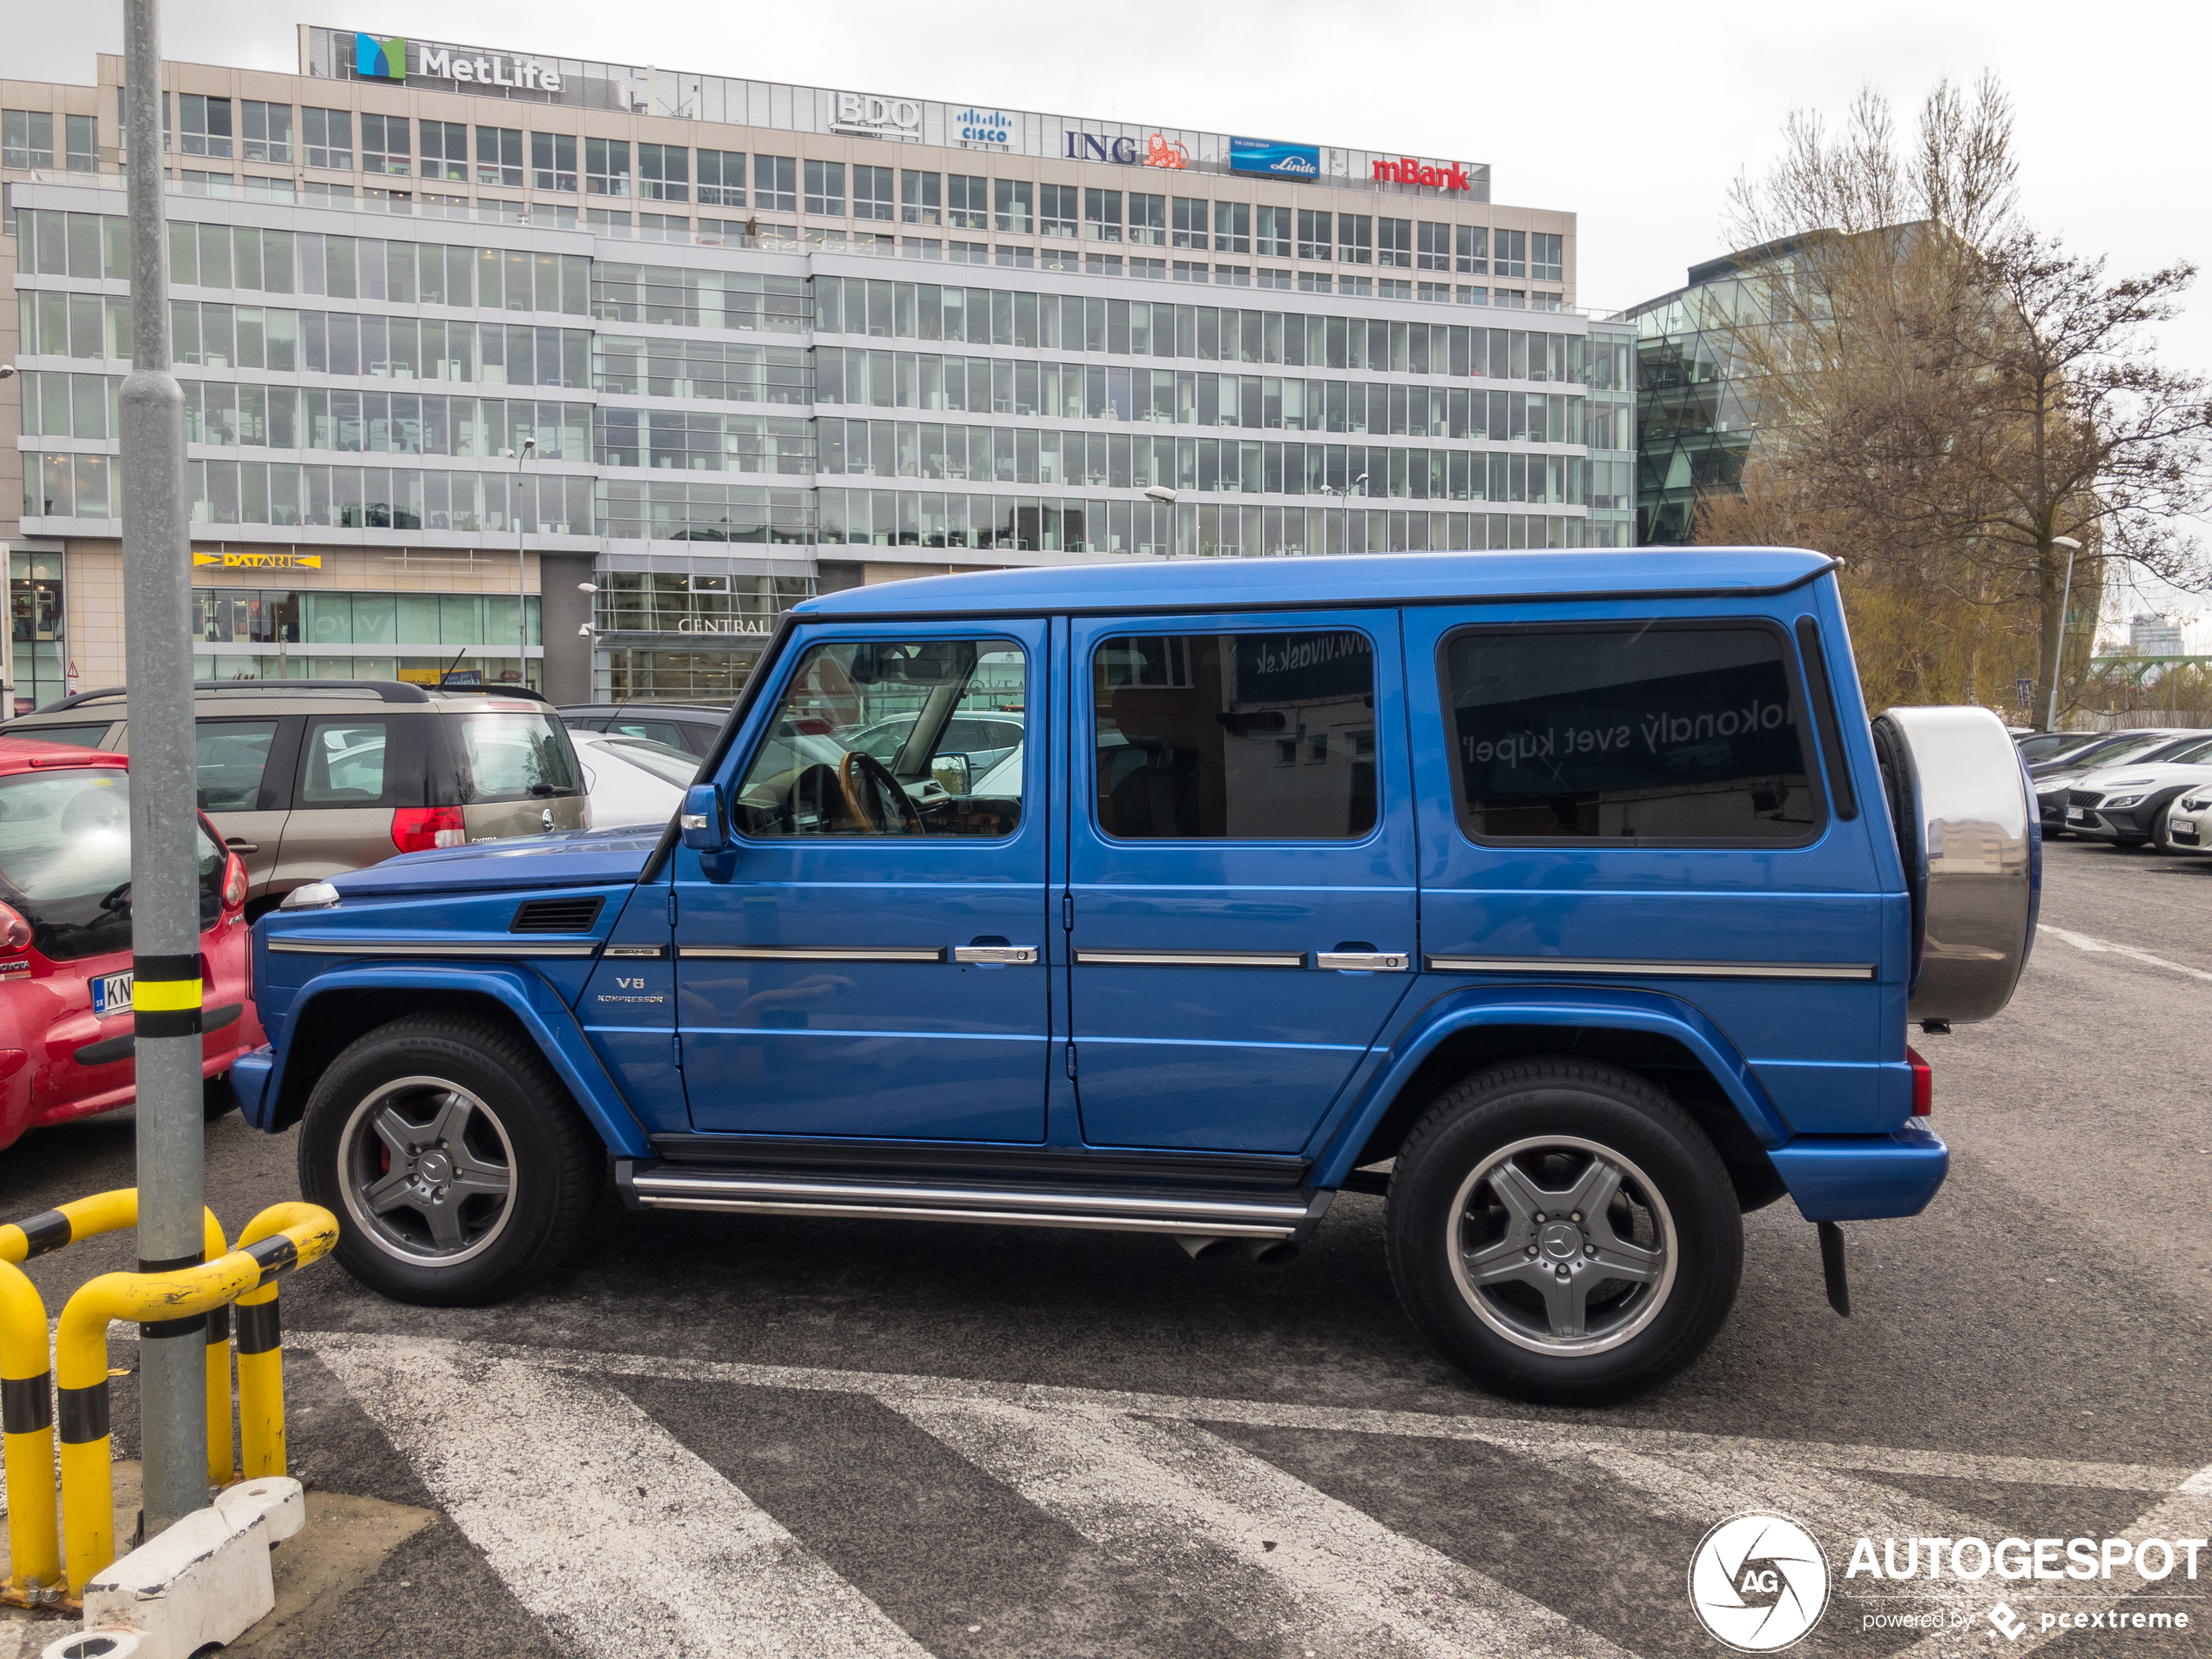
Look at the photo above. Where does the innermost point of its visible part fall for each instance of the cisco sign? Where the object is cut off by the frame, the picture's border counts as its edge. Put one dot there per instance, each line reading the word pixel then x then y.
pixel 984 126
pixel 487 69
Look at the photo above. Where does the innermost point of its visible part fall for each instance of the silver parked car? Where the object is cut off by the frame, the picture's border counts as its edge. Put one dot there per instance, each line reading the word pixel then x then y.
pixel 308 778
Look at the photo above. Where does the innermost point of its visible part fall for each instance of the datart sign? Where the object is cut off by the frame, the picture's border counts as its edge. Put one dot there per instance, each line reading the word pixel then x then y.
pixel 878 117
pixel 1274 161
pixel 984 126
pixel 486 69
pixel 1406 171
pixel 259 560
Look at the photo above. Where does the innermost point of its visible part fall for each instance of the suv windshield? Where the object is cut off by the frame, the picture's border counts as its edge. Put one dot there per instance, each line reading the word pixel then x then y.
pixel 516 756
pixel 65 861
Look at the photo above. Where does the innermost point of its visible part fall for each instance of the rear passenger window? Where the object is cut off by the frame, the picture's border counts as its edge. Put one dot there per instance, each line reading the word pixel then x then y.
pixel 343 764
pixel 1235 736
pixel 1638 735
pixel 89 737
pixel 233 756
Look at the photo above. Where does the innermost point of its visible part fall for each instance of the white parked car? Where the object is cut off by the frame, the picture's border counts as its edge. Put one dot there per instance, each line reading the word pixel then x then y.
pixel 2127 805
pixel 2188 826
pixel 631 780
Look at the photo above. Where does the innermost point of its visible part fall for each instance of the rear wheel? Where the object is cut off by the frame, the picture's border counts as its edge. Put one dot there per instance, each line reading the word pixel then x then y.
pixel 460 1170
pixel 1563 1231
pixel 2161 834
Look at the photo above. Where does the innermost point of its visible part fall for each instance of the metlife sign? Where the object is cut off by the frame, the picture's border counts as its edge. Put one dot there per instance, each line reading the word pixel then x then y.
pixel 486 69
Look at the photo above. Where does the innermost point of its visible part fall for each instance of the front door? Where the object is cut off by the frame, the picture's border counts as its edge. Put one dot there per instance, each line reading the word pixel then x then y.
pixel 1240 862
pixel 868 958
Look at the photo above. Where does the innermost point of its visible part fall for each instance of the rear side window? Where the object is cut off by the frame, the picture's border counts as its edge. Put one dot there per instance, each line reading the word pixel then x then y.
pixel 89 737
pixel 344 763
pixel 515 756
pixel 234 755
pixel 1235 736
pixel 1639 736
pixel 65 861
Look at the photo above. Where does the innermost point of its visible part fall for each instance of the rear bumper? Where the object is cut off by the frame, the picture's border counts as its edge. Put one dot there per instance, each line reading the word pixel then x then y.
pixel 250 1081
pixel 1863 1177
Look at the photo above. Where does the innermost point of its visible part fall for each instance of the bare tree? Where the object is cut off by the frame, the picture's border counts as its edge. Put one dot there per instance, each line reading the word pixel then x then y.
pixel 1942 394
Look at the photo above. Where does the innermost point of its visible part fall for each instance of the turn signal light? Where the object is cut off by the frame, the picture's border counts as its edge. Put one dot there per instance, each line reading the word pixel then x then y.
pixel 417 829
pixel 1922 1083
pixel 15 932
pixel 234 883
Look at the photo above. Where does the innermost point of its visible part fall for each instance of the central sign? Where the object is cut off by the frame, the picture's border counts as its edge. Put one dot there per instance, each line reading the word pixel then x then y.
pixel 878 117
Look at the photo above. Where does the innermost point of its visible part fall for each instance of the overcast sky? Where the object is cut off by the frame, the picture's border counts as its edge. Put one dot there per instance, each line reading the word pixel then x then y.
pixel 1634 116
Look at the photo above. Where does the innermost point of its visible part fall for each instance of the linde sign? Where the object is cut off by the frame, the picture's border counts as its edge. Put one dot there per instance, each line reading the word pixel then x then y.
pixel 880 116
pixel 489 69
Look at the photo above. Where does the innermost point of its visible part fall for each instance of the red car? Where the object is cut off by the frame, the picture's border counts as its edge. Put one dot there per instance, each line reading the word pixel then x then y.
pixel 65 1038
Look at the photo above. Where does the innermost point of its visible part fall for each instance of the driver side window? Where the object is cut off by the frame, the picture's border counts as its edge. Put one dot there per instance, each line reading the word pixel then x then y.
pixel 892 737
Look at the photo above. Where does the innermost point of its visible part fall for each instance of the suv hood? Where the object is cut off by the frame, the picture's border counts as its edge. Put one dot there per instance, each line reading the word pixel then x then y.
pixel 581 858
pixel 2142 777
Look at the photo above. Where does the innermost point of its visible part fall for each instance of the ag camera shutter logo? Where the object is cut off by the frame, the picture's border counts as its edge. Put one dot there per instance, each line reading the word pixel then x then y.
pixel 1758 1583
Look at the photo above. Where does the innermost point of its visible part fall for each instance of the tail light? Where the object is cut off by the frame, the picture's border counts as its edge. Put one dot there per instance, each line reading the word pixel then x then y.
pixel 1922 1083
pixel 15 932
pixel 417 829
pixel 234 883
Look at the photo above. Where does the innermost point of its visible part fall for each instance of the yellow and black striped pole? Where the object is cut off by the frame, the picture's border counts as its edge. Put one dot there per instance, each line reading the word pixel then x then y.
pixel 80 1364
pixel 260 1351
pixel 26 1383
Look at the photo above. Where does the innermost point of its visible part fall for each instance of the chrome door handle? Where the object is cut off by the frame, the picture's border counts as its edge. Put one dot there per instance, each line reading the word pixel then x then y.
pixel 240 844
pixel 1362 961
pixel 999 955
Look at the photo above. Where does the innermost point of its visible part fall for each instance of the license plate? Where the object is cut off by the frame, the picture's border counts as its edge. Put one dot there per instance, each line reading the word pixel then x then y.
pixel 111 995
pixel 2075 814
pixel 2182 832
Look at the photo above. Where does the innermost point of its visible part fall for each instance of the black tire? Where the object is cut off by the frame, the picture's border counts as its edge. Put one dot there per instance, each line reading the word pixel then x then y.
pixel 217 1098
pixel 2160 840
pixel 485 1085
pixel 1636 1336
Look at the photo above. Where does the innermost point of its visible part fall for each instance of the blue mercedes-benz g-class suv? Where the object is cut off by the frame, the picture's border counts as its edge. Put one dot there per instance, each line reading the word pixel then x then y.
pixel 1570 900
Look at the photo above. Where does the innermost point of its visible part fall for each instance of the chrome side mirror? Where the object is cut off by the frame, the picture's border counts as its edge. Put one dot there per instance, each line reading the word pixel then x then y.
pixel 701 819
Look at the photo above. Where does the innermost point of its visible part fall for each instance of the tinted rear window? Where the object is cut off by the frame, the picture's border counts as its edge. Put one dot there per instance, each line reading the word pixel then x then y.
pixel 514 757
pixel 1236 737
pixel 233 754
pixel 65 861
pixel 1668 736
pixel 87 737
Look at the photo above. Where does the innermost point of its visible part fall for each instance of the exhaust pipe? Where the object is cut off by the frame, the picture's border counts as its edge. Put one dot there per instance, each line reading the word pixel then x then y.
pixel 1269 1252
pixel 1206 1247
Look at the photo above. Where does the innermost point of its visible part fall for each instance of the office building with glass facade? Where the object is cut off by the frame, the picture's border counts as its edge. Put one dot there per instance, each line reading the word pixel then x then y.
pixel 452 322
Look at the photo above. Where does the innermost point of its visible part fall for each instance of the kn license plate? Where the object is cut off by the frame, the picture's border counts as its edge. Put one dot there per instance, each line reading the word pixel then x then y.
pixel 111 995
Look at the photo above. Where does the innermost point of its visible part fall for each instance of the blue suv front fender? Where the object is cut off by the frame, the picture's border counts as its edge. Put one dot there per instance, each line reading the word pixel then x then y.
pixel 537 1006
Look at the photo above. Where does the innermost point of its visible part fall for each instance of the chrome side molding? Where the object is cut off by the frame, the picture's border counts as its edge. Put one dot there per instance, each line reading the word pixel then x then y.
pixel 1861 971
pixel 1191 959
pixel 522 945
pixel 812 953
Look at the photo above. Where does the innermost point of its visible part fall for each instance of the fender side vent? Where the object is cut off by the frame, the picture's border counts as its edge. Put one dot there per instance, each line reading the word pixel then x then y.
pixel 555 916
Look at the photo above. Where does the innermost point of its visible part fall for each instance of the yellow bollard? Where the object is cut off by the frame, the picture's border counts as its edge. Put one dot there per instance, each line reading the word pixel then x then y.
pixel 26 1407
pixel 261 1354
pixel 88 1495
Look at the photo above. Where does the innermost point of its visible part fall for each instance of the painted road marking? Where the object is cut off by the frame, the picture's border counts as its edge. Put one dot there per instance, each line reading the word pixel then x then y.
pixel 698 1563
pixel 624 1543
pixel 2102 946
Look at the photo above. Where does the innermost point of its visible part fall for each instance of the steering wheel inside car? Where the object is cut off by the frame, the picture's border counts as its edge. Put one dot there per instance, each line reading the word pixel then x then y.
pixel 861 776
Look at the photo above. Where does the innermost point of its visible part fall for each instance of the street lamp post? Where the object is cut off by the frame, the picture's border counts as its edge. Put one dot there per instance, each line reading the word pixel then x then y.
pixel 2066 597
pixel 1161 496
pixel 1344 495
pixel 522 570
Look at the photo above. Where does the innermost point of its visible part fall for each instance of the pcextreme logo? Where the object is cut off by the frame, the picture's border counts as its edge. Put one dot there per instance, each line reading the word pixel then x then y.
pixel 1758 1583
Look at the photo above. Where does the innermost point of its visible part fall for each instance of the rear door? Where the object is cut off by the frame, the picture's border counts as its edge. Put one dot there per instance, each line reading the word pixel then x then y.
pixel 355 772
pixel 1242 871
pixel 515 770
pixel 246 766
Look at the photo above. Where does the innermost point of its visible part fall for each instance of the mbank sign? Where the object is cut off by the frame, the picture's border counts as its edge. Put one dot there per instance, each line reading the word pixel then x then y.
pixel 1406 171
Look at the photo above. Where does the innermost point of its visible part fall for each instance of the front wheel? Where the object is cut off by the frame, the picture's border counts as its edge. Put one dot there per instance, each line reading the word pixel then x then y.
pixel 459 1169
pixel 1563 1231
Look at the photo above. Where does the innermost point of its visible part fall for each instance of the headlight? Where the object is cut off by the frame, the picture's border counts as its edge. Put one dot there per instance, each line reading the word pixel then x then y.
pixel 316 895
pixel 2118 800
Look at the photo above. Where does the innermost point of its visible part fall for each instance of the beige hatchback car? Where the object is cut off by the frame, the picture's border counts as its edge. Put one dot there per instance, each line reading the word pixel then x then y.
pixel 308 778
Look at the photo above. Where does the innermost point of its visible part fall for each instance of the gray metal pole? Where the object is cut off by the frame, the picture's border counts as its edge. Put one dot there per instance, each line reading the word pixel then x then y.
pixel 165 822
pixel 2057 657
pixel 522 570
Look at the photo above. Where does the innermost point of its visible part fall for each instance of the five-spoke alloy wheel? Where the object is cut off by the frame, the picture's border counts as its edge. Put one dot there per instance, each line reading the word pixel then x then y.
pixel 1563 1231
pixel 459 1167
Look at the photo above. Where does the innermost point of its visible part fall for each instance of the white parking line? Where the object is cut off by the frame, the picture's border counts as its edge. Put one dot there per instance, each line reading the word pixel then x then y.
pixel 603 1524
pixel 1265 1550
pixel 697 1566
pixel 2083 941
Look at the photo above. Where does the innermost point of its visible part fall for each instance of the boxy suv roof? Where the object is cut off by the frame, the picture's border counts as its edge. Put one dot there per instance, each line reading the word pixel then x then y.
pixel 309 778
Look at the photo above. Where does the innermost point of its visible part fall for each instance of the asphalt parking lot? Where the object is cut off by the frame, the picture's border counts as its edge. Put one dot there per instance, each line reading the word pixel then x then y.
pixel 762 1436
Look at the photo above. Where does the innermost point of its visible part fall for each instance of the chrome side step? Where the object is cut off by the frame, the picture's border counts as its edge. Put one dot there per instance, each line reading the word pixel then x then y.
pixel 748 1192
